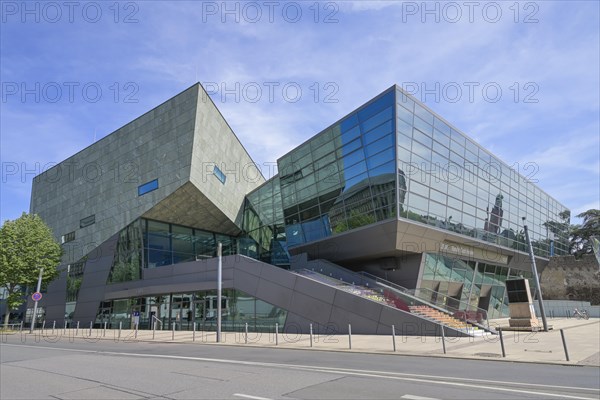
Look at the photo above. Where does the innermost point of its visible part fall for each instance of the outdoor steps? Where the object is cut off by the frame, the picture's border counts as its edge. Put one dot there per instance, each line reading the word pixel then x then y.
pixel 443 318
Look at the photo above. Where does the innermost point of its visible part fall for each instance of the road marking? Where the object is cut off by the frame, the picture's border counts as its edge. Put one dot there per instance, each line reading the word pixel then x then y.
pixel 413 397
pixel 247 396
pixel 429 379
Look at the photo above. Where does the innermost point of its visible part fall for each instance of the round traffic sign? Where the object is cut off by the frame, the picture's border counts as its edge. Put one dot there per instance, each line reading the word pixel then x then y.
pixel 37 296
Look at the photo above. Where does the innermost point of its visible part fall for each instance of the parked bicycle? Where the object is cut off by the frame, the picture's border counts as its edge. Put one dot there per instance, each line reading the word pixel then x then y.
pixel 581 314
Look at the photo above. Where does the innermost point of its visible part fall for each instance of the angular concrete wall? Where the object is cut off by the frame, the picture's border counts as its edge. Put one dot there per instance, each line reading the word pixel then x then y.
pixel 103 179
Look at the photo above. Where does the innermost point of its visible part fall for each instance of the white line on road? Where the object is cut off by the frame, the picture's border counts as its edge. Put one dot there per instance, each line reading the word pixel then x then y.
pixel 247 396
pixel 429 379
pixel 413 397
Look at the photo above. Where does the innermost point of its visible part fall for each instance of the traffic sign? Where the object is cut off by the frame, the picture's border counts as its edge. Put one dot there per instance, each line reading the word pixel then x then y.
pixel 37 296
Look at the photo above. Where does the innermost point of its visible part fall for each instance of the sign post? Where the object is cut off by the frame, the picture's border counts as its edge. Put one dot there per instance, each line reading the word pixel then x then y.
pixel 37 296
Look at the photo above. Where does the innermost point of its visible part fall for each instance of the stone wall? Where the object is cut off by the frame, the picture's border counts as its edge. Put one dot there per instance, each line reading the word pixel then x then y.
pixel 566 278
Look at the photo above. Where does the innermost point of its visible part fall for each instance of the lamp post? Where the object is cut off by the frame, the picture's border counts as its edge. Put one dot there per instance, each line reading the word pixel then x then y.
pixel 35 306
pixel 535 275
pixel 219 289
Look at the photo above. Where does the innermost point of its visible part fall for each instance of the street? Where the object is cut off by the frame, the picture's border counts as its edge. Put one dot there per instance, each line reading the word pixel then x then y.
pixel 139 370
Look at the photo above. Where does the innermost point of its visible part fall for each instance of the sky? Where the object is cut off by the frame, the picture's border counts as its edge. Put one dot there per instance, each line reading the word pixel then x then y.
pixel 520 78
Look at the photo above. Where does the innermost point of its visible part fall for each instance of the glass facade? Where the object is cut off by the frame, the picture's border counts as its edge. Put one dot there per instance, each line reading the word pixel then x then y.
pixel 477 284
pixel 182 310
pixel 264 237
pixel 452 183
pixel 344 177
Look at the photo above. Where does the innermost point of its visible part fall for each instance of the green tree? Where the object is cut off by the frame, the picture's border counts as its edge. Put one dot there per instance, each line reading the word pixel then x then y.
pixel 579 237
pixel 26 245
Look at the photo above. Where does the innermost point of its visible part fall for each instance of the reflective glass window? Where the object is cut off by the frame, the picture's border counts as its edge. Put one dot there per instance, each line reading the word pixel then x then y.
pixel 422 113
pixel 405 115
pixel 377 133
pixel 380 145
pixel 377 119
pixel 423 126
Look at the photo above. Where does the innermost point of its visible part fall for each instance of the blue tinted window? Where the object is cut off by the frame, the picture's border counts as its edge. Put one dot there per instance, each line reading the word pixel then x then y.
pixel 353 158
pixel 377 119
pixel 379 145
pixel 378 105
pixel 349 122
pixel 147 187
pixel 219 174
pixel 378 132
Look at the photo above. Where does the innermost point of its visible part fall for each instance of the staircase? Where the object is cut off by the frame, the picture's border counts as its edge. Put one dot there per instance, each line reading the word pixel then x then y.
pixel 392 299
pixel 376 289
pixel 443 318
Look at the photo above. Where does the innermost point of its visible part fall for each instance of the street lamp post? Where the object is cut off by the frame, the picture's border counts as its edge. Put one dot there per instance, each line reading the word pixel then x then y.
pixel 219 289
pixel 535 276
pixel 35 306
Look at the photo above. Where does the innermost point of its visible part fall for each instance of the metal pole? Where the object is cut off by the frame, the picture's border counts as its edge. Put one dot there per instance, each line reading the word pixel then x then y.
pixel 350 336
pixel 91 326
pixel 21 327
pixel 53 326
pixel 153 329
pixel 194 332
pixel 536 277
pixel 276 334
pixel 443 339
pixel 77 329
pixel 173 333
pixel 35 306
pixel 310 335
pixel 104 331
pixel 564 341
pixel 136 329
pixel 246 334
pixel 120 327
pixel 501 342
pixel 219 288
pixel 43 325
pixel 394 337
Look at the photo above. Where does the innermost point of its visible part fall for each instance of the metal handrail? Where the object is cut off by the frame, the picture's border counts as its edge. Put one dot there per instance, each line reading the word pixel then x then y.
pixel 427 299
pixel 155 318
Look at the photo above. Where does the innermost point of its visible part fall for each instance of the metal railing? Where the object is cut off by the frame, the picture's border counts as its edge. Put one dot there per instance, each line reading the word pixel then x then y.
pixel 399 294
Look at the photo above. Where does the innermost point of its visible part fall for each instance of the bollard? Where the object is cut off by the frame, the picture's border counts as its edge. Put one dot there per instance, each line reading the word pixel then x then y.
pixel 350 336
pixel 91 326
pixel 564 341
pixel 443 339
pixel 173 333
pixel 43 326
pixel 394 337
pixel 104 331
pixel 501 342
pixel 311 335
pixel 21 327
pixel 53 326
pixel 120 327
pixel 153 329
pixel 136 330
pixel 194 332
pixel 246 334
pixel 276 334
pixel 77 329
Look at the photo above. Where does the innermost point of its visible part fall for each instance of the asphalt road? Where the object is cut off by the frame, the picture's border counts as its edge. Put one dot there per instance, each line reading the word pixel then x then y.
pixel 139 370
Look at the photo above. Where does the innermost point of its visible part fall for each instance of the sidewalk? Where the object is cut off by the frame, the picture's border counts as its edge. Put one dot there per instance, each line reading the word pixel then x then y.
pixel 582 338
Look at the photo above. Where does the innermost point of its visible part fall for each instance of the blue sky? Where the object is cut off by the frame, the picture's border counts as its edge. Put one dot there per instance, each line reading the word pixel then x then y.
pixel 521 78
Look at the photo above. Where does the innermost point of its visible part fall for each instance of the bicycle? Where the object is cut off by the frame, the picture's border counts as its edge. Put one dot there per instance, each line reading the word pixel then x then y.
pixel 581 314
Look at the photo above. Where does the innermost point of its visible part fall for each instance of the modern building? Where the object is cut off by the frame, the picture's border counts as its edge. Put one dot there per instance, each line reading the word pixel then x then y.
pixel 390 216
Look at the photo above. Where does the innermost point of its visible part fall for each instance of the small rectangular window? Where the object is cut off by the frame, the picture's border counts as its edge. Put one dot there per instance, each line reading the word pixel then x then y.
pixel 219 174
pixel 147 187
pixel 67 237
pixel 87 221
